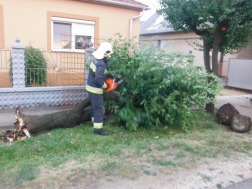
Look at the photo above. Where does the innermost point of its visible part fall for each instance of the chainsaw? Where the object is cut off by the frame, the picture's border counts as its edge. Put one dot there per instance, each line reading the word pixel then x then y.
pixel 113 83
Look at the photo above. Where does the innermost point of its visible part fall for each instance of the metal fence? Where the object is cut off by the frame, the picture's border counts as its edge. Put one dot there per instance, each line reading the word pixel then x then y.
pixel 64 66
pixel 54 69
pixel 5 76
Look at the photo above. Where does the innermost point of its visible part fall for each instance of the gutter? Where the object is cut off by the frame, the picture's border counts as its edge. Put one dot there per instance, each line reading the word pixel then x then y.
pixel 131 20
pixel 123 4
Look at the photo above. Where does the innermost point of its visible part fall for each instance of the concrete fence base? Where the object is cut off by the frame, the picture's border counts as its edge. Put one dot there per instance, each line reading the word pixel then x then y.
pixel 41 96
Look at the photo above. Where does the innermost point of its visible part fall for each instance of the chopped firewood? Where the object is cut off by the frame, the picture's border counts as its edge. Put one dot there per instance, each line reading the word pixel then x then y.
pixel 11 136
pixel 21 131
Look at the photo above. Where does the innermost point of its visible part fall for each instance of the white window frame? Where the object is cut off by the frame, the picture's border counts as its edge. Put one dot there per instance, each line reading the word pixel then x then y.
pixel 72 22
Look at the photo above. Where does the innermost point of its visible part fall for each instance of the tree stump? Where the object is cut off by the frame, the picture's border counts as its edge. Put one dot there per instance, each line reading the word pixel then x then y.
pixel 241 123
pixel 226 113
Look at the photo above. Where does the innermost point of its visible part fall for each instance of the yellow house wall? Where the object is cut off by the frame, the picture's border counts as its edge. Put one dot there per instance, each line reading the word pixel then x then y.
pixel 27 19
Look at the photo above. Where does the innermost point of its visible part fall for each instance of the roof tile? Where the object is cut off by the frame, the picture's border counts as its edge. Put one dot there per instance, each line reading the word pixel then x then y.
pixel 155 24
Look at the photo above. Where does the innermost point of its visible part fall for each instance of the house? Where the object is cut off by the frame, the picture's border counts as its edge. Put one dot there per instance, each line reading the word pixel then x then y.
pixel 66 32
pixel 64 26
pixel 71 25
pixel 160 33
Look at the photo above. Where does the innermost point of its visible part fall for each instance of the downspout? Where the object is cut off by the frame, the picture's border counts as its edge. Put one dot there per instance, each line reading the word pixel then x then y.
pixel 131 20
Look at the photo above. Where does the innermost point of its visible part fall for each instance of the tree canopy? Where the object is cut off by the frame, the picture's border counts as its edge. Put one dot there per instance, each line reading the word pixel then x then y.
pixel 226 23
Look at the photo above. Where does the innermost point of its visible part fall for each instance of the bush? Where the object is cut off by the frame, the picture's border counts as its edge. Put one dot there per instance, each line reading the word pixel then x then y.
pixel 159 89
pixel 35 67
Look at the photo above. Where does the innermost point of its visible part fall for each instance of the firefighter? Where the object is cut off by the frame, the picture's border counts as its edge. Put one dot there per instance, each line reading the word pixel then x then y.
pixel 96 84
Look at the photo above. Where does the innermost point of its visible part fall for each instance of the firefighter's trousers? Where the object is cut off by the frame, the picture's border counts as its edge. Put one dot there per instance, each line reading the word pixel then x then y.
pixel 98 109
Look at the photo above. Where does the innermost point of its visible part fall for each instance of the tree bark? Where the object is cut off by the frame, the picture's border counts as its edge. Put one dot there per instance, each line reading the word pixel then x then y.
pixel 215 64
pixel 65 119
pixel 206 49
pixel 210 106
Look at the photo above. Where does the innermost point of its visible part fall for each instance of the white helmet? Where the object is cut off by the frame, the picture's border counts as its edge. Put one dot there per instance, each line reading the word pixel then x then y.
pixel 104 50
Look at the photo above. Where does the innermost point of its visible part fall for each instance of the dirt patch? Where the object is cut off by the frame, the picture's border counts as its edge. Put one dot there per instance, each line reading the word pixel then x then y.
pixel 209 173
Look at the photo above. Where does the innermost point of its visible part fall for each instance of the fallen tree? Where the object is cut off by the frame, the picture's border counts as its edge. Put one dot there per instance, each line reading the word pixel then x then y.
pixel 65 119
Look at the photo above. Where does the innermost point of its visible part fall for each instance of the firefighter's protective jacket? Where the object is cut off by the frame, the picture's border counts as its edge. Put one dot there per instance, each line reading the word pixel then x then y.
pixel 97 76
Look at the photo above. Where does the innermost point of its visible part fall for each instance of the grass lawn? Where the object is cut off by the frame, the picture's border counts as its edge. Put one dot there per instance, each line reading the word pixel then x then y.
pixel 68 154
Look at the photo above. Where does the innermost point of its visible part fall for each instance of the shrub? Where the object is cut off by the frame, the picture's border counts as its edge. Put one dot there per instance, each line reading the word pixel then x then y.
pixel 159 88
pixel 35 67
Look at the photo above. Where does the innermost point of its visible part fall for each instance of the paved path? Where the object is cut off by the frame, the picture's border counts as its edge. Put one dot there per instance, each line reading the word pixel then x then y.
pixel 7 117
pixel 243 104
pixel 246 184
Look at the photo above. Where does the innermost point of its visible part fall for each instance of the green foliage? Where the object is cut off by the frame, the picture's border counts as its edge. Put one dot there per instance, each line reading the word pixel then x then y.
pixel 159 89
pixel 35 67
pixel 230 18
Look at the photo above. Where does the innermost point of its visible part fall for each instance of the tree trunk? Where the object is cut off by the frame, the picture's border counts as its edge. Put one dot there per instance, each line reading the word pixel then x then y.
pixel 217 39
pixel 210 106
pixel 206 49
pixel 64 119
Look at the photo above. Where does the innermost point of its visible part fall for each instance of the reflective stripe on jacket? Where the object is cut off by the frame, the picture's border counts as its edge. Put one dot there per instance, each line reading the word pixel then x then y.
pixel 97 76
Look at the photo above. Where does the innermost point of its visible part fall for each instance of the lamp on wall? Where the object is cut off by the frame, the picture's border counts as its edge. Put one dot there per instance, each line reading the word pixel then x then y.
pixel 189 58
pixel 189 55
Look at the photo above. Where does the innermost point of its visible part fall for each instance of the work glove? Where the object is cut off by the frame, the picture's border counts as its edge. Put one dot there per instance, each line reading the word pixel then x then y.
pixel 111 85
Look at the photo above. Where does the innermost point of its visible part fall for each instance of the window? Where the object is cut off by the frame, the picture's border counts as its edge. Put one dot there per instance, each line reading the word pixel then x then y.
pixel 71 34
pixel 159 43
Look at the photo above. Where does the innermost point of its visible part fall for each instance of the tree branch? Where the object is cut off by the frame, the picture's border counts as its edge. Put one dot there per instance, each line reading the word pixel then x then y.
pixel 204 32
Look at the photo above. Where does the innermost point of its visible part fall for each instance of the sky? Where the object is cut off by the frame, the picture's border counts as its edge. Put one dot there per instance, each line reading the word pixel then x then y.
pixel 153 4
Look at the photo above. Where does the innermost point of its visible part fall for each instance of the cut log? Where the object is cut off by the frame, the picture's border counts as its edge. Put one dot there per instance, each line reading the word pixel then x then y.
pixel 65 119
pixel 241 123
pixel 225 113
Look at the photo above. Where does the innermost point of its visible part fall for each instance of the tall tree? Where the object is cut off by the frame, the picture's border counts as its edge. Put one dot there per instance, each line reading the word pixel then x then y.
pixel 224 26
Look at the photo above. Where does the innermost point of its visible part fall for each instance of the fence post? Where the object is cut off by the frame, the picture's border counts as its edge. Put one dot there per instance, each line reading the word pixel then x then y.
pixel 18 64
pixel 88 57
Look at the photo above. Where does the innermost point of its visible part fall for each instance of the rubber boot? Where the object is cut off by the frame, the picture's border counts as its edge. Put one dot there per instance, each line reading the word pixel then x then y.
pixel 100 132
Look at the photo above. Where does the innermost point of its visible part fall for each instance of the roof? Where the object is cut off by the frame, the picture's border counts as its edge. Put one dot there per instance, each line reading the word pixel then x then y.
pixel 132 4
pixel 155 24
